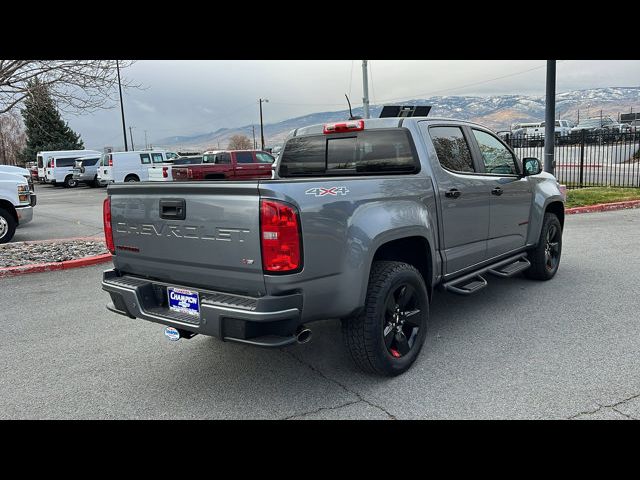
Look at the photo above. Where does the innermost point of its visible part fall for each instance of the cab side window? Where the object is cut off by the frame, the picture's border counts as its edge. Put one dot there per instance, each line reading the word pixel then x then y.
pixel 452 149
pixel 496 156
pixel 157 158
pixel 145 158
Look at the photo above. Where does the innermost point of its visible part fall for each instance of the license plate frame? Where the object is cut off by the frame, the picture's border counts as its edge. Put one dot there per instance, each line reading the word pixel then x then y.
pixel 184 301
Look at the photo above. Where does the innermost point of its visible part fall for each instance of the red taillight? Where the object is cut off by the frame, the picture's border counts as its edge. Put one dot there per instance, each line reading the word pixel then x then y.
pixel 280 237
pixel 165 173
pixel 106 218
pixel 53 162
pixel 351 126
pixel 110 160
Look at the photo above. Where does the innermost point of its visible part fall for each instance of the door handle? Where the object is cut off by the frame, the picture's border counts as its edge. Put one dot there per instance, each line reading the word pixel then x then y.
pixel 173 209
pixel 453 193
pixel 497 191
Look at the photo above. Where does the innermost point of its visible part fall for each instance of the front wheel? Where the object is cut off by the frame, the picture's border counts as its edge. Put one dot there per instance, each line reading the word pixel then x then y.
pixel 545 257
pixel 7 226
pixel 387 336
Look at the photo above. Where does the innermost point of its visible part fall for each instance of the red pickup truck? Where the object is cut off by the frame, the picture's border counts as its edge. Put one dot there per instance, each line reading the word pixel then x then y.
pixel 227 164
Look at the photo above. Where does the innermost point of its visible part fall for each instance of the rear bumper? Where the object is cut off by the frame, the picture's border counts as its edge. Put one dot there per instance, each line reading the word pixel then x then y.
pixel 263 321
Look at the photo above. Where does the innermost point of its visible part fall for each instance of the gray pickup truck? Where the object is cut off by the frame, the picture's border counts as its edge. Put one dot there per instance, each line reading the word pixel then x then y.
pixel 363 221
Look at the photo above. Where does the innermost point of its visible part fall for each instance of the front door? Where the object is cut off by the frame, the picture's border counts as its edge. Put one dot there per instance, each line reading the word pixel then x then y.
pixel 510 193
pixel 464 197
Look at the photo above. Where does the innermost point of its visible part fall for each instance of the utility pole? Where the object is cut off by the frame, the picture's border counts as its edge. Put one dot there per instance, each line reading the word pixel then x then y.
pixel 261 124
pixel 549 118
pixel 131 134
pixel 124 128
pixel 365 89
pixel 146 144
pixel 253 128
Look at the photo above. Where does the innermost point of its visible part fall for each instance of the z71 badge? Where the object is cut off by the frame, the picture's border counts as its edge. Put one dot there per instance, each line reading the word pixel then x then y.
pixel 322 191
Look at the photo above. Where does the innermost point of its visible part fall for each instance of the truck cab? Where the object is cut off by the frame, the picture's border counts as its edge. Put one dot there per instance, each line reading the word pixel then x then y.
pixel 227 164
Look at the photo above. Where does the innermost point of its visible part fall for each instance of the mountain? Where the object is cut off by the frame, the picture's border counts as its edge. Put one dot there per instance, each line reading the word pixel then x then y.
pixel 497 112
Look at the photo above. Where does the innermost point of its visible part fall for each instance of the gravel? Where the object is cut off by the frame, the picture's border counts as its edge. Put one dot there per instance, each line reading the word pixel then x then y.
pixel 16 254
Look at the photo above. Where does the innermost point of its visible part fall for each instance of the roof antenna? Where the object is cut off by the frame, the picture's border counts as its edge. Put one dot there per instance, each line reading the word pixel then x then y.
pixel 351 117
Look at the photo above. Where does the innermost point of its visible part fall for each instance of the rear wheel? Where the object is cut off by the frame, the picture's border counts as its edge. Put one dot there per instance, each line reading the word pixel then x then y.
pixel 70 182
pixel 7 226
pixel 131 178
pixel 95 182
pixel 387 336
pixel 545 257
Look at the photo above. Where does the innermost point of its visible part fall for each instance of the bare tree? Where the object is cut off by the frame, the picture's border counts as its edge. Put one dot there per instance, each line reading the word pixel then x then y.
pixel 74 85
pixel 12 138
pixel 240 142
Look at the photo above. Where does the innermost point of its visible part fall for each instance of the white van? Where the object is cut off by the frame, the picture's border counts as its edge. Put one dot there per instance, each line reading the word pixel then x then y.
pixel 117 167
pixel 44 157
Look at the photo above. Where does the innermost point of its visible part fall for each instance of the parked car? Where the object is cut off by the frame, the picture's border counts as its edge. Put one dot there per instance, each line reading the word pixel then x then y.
pixel 85 170
pixel 363 221
pixel 43 158
pixel 132 166
pixel 16 203
pixel 164 174
pixel 227 164
pixel 601 128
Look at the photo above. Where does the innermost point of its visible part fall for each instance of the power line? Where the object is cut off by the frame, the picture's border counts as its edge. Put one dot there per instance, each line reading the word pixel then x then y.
pixel 435 92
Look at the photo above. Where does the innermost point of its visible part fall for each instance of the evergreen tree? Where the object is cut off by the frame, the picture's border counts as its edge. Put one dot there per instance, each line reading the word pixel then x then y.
pixel 45 128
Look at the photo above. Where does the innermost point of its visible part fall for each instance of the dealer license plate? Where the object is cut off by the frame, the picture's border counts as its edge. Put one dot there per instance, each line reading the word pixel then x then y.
pixel 184 301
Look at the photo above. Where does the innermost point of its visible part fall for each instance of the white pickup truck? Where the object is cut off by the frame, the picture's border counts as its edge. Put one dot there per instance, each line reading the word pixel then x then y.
pixel 16 203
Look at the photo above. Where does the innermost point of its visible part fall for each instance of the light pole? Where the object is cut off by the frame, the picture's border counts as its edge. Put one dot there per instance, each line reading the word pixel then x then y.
pixel 124 128
pixel 365 89
pixel 260 100
pixel 549 117
pixel 131 134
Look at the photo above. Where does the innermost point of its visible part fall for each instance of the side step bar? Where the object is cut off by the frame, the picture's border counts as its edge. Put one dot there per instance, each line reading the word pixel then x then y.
pixel 474 281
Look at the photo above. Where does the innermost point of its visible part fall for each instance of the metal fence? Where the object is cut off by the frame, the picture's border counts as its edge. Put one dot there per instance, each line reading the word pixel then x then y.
pixel 587 159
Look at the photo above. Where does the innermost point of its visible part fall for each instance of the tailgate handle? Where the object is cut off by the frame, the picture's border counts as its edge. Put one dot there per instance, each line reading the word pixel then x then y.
pixel 174 209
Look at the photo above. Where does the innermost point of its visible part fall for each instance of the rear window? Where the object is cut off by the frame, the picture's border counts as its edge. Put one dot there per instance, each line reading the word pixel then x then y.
pixel 367 152
pixel 244 157
pixel 187 161
pixel 90 162
pixel 65 162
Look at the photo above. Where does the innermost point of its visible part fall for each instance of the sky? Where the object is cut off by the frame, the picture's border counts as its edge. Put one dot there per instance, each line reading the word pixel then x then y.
pixel 193 97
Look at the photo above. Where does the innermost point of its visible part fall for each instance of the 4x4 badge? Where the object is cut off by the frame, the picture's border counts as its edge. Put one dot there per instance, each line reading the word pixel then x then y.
pixel 322 191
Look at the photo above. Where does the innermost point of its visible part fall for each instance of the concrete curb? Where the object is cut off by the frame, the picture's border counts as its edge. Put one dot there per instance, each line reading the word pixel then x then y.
pixel 52 266
pixel 603 207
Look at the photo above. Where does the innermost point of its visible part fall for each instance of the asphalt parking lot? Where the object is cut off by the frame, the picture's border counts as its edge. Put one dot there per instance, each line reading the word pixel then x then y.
pixel 568 348
pixel 64 213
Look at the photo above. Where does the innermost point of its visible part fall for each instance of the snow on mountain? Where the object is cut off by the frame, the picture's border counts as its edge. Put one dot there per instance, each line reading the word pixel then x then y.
pixel 497 112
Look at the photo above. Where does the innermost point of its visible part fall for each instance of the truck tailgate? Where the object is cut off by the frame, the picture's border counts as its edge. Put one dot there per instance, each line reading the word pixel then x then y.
pixel 191 234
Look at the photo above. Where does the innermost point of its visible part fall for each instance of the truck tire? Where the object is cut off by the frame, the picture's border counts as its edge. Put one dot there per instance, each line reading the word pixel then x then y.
pixel 545 257
pixel 95 183
pixel 70 182
pixel 131 178
pixel 7 226
pixel 387 336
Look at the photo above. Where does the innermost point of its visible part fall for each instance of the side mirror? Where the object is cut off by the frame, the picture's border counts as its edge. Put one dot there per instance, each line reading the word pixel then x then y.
pixel 532 166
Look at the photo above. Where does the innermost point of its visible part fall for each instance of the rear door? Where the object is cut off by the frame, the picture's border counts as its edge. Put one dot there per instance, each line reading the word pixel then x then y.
pixel 464 197
pixel 509 193
pixel 246 164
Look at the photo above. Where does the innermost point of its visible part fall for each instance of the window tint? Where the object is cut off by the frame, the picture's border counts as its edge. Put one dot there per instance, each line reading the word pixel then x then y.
pixel 145 158
pixel 157 158
pixel 187 161
pixel 245 157
pixel 303 156
pixel 264 157
pixel 385 151
pixel 65 162
pixel 495 156
pixel 452 149
pixel 373 151
pixel 89 162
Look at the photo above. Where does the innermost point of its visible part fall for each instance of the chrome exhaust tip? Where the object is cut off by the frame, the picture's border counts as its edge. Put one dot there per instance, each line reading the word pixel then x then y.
pixel 303 335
